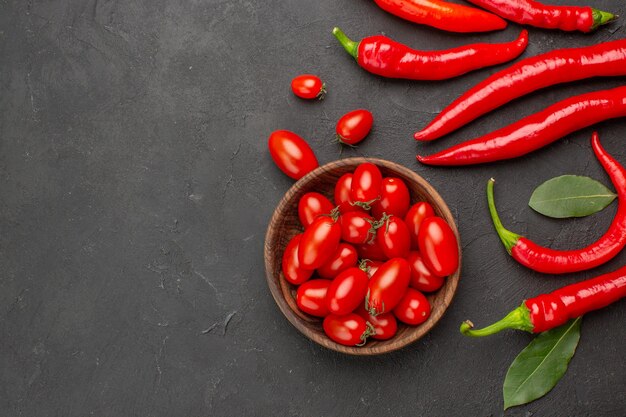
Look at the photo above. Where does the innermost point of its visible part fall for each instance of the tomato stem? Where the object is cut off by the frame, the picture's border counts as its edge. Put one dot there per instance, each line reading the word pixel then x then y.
pixel 367 205
pixel 322 93
pixel 517 319
pixel 369 331
pixel 508 238
pixel 348 44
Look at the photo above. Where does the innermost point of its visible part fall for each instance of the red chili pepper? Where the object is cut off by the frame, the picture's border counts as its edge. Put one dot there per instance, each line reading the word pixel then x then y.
pixel 548 311
pixel 551 261
pixel 533 13
pixel 535 131
pixel 443 15
pixel 560 66
pixel 383 56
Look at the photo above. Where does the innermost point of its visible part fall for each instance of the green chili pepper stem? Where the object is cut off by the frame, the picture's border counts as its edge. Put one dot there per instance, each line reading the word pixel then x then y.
pixel 348 44
pixel 517 319
pixel 601 18
pixel 508 238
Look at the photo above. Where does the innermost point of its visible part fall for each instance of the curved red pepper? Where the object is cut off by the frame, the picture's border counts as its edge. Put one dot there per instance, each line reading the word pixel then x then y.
pixel 535 131
pixel 383 56
pixel 548 311
pixel 551 261
pixel 533 13
pixel 443 15
pixel 530 74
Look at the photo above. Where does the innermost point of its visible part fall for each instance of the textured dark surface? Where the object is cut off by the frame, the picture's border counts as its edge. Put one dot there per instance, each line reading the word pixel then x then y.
pixel 136 188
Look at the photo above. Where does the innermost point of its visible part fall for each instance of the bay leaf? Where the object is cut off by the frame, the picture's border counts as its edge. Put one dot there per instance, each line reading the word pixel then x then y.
pixel 538 368
pixel 570 196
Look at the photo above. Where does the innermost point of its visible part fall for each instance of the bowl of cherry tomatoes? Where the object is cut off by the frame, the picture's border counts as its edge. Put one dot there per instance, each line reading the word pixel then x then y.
pixel 362 256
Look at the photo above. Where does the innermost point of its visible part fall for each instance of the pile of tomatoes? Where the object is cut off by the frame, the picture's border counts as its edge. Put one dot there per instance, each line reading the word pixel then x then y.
pixel 365 261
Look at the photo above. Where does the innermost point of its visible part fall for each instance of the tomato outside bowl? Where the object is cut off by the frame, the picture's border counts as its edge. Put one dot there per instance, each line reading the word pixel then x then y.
pixel 284 225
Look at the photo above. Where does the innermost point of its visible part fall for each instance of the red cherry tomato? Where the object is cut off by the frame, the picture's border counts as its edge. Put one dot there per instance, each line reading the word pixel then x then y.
pixel 312 205
pixel 414 218
pixel 311 297
pixel 292 271
pixel 347 291
pixel 413 309
pixel 366 182
pixel 292 154
pixel 353 127
pixel 388 285
pixel 308 86
pixel 393 237
pixel 345 257
pixel 349 330
pixel 369 266
pixel 394 199
pixel 319 242
pixel 438 246
pixel 371 251
pixel 356 227
pixel 421 277
pixel 385 325
pixel 342 195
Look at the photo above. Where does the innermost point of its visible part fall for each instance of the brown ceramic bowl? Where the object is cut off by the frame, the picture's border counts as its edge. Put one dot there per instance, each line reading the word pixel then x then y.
pixel 285 224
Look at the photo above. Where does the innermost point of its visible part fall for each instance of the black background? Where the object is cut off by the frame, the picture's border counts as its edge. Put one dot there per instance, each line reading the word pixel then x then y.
pixel 136 188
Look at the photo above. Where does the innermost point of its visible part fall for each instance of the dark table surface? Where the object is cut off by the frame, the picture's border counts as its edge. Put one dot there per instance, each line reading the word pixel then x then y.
pixel 136 188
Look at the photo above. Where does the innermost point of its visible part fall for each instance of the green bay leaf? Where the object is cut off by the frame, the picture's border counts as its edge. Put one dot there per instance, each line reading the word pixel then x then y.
pixel 537 369
pixel 570 196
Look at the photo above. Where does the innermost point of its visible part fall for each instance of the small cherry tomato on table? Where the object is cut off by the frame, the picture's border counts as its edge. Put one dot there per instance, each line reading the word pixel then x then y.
pixel 347 291
pixel 308 86
pixel 385 325
pixel 311 297
pixel 354 126
pixel 366 182
pixel 357 227
pixel 349 330
pixel 292 154
pixel 312 205
pixel 319 242
pixel 292 271
pixel 414 218
pixel 394 198
pixel 421 277
pixel 345 257
pixel 393 237
pixel 388 285
pixel 413 309
pixel 438 246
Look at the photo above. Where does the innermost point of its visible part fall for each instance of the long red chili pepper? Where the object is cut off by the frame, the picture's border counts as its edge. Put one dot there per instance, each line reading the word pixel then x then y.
pixel 559 66
pixel 383 56
pixel 535 131
pixel 534 13
pixel 443 15
pixel 551 261
pixel 548 311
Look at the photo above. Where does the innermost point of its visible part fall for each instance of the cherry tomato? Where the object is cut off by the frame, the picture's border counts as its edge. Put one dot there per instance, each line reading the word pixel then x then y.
pixel 414 218
pixel 342 195
pixel 366 182
pixel 413 309
pixel 349 330
pixel 438 246
pixel 388 285
pixel 308 86
pixel 347 291
pixel 319 242
pixel 292 271
pixel 371 251
pixel 312 205
pixel 356 227
pixel 421 277
pixel 369 266
pixel 394 199
pixel 385 325
pixel 353 127
pixel 311 297
pixel 393 237
pixel 345 257
pixel 292 154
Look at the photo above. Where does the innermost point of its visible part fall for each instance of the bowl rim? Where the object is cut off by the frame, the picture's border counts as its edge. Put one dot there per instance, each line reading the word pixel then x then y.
pixel 278 295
